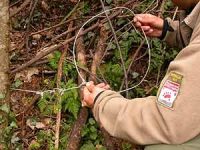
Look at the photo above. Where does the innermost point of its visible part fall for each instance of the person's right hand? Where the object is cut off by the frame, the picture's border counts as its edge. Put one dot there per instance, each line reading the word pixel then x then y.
pixel 150 24
pixel 91 91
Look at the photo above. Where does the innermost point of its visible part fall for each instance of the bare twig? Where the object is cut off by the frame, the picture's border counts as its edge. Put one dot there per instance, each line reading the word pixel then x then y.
pixel 28 24
pixel 59 76
pixel 118 47
pixel 64 33
pixel 99 52
pixel 26 2
pixel 15 3
pixel 55 47
pixel 75 135
pixel 52 27
pixel 132 61
pixel 162 7
pixel 175 13
pixel 71 12
pixel 46 51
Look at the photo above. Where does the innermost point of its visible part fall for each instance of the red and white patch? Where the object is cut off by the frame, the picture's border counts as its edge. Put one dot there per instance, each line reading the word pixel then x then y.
pixel 168 93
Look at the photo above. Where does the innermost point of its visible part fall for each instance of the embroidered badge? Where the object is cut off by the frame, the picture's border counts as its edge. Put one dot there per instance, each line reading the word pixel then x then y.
pixel 170 90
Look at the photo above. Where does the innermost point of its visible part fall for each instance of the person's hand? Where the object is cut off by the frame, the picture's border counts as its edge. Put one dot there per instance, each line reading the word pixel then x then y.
pixel 90 91
pixel 152 25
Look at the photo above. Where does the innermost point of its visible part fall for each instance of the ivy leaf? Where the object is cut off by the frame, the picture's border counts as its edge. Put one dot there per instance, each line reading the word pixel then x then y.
pixel 108 1
pixel 5 108
pixel 88 146
pixel 135 75
pixel 91 121
pixel 18 83
pixel 93 129
pixel 2 96
pixel 120 21
pixel 13 124
pixel 93 135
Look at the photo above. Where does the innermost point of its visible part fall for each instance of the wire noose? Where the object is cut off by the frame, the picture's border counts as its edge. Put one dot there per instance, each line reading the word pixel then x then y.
pixel 79 31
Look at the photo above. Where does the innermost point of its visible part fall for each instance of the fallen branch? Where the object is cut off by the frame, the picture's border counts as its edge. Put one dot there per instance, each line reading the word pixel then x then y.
pixel 58 83
pixel 51 49
pixel 52 27
pixel 75 135
pixel 95 64
pixel 97 58
pixel 28 24
pixel 55 47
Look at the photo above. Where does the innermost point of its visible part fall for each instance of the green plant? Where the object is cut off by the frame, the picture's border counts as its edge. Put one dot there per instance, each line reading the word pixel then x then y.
pixel 91 136
pixel 8 137
pixel 70 102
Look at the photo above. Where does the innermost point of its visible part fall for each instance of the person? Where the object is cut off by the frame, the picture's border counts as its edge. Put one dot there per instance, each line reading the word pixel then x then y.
pixel 170 120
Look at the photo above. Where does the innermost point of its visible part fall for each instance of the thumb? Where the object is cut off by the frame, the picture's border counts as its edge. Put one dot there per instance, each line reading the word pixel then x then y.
pixel 86 97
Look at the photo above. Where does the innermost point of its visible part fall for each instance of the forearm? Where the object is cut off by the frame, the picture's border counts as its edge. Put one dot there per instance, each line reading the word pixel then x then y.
pixel 142 121
pixel 138 120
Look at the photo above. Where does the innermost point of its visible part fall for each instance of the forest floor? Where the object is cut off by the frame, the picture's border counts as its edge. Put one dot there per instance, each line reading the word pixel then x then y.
pixel 45 114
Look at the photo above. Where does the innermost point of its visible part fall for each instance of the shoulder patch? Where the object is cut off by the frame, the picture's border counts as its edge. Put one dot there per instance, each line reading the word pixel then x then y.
pixel 170 89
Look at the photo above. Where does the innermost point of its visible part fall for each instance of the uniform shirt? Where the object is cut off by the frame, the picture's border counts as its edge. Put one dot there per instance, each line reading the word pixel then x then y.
pixel 171 117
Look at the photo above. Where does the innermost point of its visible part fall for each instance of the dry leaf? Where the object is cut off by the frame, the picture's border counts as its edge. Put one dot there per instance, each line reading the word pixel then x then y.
pixel 27 74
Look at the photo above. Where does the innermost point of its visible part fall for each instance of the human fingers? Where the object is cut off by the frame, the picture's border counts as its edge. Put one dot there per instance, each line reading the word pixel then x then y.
pixel 149 32
pixel 145 28
pixel 107 87
pixel 90 85
pixel 101 85
pixel 148 19
pixel 143 18
pixel 138 24
pixel 154 33
pixel 87 99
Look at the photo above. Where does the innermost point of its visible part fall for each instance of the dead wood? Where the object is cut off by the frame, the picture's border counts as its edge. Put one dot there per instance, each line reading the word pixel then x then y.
pixel 55 47
pixel 29 23
pixel 59 77
pixel 46 51
pixel 100 49
pixel 97 58
pixel 75 135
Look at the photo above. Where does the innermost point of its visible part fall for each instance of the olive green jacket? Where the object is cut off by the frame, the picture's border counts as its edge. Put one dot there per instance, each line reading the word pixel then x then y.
pixel 171 117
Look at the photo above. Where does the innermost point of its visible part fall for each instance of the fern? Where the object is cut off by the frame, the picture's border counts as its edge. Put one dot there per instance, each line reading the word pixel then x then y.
pixel 53 62
pixel 46 104
pixel 70 100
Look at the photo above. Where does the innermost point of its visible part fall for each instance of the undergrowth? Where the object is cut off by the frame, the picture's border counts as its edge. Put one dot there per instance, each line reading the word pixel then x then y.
pixel 110 69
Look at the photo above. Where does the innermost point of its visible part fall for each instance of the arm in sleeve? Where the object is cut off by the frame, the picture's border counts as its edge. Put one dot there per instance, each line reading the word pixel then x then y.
pixel 138 120
pixel 177 34
pixel 142 121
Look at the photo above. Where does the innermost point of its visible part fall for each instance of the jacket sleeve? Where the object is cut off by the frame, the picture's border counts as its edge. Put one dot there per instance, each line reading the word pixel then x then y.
pixel 178 34
pixel 138 120
pixel 143 121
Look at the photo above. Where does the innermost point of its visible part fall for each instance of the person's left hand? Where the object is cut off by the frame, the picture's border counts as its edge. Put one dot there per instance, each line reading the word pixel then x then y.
pixel 90 91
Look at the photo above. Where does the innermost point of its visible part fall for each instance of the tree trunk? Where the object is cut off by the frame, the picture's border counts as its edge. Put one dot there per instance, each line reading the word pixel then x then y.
pixel 4 65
